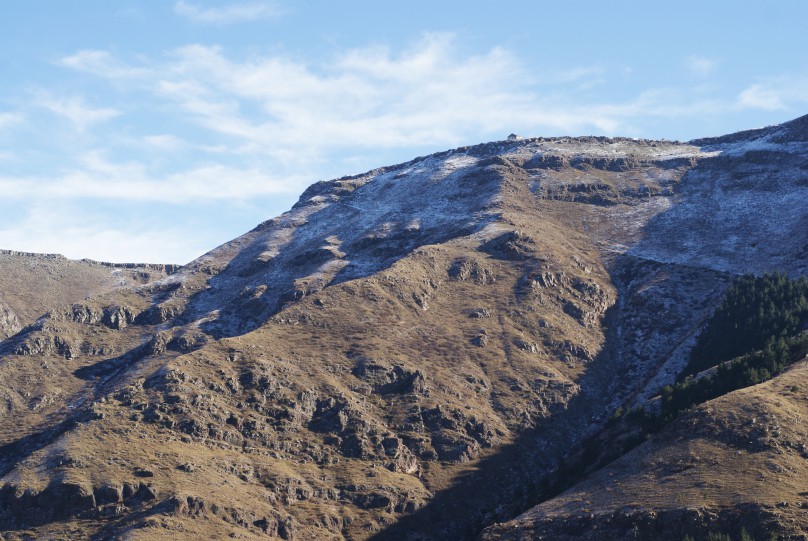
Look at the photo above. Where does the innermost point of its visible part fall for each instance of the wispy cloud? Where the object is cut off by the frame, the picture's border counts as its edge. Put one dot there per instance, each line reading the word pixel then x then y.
pixel 760 96
pixel 165 142
pixel 96 177
pixel 72 231
pixel 582 74
pixel 228 14
pixel 700 66
pixel 102 63
pixel 293 114
pixel 9 119
pixel 77 112
pixel 369 97
pixel 777 93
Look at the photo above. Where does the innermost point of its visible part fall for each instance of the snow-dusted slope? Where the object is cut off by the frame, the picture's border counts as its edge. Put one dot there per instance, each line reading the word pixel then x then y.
pixel 355 226
pixel 745 209
pixel 346 229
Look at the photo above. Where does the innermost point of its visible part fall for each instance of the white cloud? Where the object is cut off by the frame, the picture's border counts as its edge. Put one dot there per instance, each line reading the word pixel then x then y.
pixel 700 66
pixel 296 113
pixel 165 142
pixel 98 178
pixel 587 75
pixel 778 93
pixel 760 96
pixel 289 117
pixel 75 110
pixel 72 232
pixel 365 97
pixel 102 64
pixel 228 14
pixel 9 119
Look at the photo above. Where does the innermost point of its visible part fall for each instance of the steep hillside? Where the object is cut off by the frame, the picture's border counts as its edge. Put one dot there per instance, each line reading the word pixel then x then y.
pixel 737 462
pixel 404 354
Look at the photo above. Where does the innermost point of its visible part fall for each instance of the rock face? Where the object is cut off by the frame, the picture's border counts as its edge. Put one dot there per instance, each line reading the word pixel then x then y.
pixel 406 354
pixel 9 322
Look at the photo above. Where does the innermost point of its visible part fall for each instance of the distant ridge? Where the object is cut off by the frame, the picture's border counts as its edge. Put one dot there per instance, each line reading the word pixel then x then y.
pixel 168 268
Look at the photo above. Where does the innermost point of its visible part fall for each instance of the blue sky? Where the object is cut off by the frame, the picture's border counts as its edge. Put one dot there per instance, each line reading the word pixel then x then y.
pixel 156 130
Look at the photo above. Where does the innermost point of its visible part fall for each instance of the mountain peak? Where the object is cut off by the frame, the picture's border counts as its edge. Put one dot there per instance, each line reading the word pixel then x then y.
pixel 412 352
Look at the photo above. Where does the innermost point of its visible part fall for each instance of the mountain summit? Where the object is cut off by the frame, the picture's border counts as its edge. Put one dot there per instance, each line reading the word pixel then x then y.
pixel 419 352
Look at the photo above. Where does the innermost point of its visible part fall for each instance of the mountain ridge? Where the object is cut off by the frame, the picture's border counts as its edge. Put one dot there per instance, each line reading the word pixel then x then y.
pixel 407 352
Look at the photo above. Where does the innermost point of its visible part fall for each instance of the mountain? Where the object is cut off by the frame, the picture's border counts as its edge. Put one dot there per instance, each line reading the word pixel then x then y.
pixel 30 284
pixel 413 353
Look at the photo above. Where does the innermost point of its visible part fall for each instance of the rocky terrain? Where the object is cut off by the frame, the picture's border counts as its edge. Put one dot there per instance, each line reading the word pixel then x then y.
pixel 33 284
pixel 411 353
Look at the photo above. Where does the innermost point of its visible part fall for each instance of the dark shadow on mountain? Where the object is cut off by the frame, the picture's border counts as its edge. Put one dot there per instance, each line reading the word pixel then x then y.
pixel 15 452
pixel 538 464
pixel 733 215
pixel 109 368
pixel 516 477
pixel 131 520
pixel 10 345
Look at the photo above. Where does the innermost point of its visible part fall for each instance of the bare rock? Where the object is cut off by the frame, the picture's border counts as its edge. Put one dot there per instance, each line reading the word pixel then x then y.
pixel 511 246
pixel 481 340
pixel 118 317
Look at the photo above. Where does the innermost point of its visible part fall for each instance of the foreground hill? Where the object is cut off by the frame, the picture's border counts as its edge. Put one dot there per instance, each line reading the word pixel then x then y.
pixel 407 353
pixel 736 462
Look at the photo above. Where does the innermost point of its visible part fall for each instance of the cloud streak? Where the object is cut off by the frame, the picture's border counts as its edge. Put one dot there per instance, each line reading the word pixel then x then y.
pixel 364 97
pixel 288 117
pixel 700 66
pixel 76 111
pixel 229 14
pixel 102 63
pixel 9 119
pixel 775 93
pixel 374 98
pixel 98 178
pixel 76 234
pixel 286 122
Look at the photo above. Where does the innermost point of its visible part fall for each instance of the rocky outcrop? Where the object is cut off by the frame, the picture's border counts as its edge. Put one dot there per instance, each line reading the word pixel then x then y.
pixel 80 313
pixel 118 317
pixel 195 507
pixel 9 322
pixel 48 344
pixel 157 314
pixel 513 246
pixel 386 379
pixel 646 525
pixel 65 498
